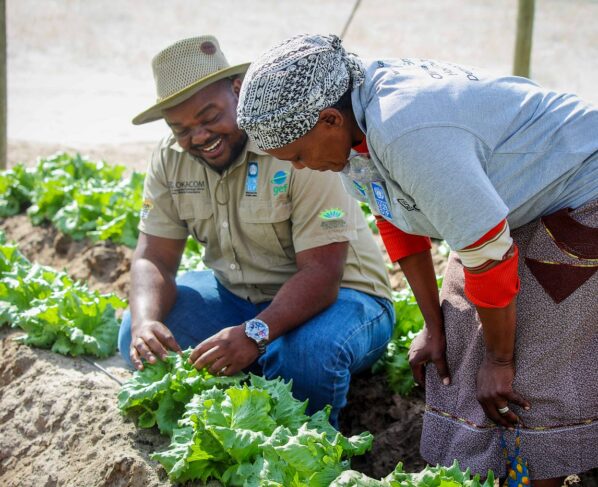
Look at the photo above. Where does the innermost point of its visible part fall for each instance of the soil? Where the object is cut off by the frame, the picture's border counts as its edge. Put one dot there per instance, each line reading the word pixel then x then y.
pixel 59 422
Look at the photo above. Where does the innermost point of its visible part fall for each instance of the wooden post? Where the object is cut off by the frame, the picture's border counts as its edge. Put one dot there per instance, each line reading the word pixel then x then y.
pixel 523 43
pixel 3 108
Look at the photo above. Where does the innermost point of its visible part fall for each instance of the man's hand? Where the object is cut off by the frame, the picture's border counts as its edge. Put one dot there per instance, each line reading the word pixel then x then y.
pixel 495 391
pixel 429 346
pixel 151 339
pixel 225 353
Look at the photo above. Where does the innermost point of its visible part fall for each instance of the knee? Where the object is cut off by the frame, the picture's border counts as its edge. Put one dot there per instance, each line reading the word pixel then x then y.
pixel 124 337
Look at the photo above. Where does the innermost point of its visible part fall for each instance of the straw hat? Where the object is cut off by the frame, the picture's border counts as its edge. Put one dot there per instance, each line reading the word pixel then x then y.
pixel 184 68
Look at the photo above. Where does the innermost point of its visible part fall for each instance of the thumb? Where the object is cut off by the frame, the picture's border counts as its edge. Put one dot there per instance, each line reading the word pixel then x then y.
pixel 443 370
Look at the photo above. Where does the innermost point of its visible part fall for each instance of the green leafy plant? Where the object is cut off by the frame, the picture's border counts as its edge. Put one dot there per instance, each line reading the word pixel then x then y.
pixel 395 362
pixel 81 198
pixel 192 259
pixel 257 434
pixel 55 311
pixel 157 395
pixel 369 217
pixel 437 476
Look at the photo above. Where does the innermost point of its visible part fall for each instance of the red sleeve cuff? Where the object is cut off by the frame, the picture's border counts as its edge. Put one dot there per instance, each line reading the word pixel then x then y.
pixel 398 243
pixel 496 287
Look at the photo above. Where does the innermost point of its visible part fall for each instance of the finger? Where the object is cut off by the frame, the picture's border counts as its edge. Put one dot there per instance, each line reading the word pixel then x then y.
pixel 135 360
pixel 219 367
pixel 167 339
pixel 508 419
pixel 443 371
pixel 208 358
pixel 144 351
pixel 491 411
pixel 156 347
pixel 200 349
pixel 419 373
pixel 518 399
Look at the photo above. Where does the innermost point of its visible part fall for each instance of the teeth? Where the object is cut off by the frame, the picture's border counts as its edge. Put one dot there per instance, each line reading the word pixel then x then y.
pixel 212 147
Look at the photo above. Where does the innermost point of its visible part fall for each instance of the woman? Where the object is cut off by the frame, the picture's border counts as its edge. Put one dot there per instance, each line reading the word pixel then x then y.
pixel 493 166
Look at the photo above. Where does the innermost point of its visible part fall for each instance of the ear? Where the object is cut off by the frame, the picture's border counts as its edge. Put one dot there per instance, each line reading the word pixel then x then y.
pixel 331 117
pixel 236 84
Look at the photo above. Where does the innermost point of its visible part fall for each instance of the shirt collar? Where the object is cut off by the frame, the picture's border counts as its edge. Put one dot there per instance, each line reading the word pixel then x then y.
pixel 250 147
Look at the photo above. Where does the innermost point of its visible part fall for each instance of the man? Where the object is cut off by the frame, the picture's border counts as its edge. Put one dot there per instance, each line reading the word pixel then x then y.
pixel 297 282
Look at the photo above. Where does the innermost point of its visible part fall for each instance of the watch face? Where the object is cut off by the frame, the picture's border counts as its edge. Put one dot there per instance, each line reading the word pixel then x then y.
pixel 257 330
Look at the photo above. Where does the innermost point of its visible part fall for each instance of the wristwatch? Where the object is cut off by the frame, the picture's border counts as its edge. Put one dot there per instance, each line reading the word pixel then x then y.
pixel 259 332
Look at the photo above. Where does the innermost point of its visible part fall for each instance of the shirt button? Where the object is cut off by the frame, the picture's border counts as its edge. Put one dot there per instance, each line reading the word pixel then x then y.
pixel 225 224
pixel 233 267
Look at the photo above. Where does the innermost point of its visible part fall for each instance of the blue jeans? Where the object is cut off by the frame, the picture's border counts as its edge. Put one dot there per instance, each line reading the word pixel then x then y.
pixel 320 355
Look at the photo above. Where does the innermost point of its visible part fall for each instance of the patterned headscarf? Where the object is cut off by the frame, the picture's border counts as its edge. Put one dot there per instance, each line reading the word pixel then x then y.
pixel 287 87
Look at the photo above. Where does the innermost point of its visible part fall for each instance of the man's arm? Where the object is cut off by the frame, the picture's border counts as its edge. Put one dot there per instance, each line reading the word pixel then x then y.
pixel 152 296
pixel 312 289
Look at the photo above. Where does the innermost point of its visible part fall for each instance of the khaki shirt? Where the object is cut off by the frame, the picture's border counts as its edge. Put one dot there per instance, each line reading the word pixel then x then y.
pixel 254 217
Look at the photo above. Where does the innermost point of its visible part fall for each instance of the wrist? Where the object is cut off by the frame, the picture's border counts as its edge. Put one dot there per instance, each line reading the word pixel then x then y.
pixel 499 358
pixel 259 332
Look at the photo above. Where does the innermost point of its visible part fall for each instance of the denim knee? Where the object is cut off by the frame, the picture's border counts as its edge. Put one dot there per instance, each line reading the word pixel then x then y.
pixel 124 337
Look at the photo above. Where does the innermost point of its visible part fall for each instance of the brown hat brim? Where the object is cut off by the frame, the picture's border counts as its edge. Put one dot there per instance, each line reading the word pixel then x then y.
pixel 155 112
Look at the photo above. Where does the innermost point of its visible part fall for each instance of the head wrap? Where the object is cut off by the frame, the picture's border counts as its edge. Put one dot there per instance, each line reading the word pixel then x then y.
pixel 287 87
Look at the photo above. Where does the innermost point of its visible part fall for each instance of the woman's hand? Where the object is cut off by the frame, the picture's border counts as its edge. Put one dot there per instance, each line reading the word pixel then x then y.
pixel 429 346
pixel 495 391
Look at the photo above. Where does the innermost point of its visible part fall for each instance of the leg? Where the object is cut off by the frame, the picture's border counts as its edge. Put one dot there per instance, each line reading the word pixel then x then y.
pixel 321 355
pixel 203 307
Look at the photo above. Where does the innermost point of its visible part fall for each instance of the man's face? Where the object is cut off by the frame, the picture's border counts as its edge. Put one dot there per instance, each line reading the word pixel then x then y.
pixel 205 125
pixel 326 147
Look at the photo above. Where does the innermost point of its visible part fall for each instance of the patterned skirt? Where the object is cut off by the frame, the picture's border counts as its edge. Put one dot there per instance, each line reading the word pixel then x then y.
pixel 556 357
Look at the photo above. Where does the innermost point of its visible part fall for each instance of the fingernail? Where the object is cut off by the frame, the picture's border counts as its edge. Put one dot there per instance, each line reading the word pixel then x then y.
pixel 446 381
pixel 527 408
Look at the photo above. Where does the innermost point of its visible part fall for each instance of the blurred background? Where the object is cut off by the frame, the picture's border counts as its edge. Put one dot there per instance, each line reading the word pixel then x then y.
pixel 78 71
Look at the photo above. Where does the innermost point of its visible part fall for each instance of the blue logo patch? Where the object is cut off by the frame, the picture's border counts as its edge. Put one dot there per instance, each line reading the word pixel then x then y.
pixel 280 177
pixel 360 188
pixel 381 200
pixel 251 179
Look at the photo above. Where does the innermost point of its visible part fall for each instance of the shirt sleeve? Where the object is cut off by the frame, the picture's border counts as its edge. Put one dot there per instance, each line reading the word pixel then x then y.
pixel 442 169
pixel 159 216
pixel 322 212
pixel 398 243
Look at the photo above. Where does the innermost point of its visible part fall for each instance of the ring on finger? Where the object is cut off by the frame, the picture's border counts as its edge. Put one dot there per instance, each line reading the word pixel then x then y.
pixel 504 410
pixel 222 370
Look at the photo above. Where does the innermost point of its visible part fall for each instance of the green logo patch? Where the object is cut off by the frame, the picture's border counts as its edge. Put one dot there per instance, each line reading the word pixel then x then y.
pixel 332 214
pixel 332 219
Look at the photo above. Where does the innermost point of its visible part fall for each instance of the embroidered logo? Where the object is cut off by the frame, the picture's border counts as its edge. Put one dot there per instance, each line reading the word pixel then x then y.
pixel 405 204
pixel 332 219
pixel 186 187
pixel 360 188
pixel 148 205
pixel 381 200
pixel 279 183
pixel 332 214
pixel 251 179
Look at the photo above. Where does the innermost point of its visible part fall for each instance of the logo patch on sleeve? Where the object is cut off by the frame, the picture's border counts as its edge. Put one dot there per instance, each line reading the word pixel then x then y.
pixel 332 219
pixel 148 205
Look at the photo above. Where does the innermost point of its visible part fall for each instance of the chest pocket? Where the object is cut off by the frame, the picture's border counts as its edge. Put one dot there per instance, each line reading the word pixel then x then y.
pixel 267 226
pixel 198 216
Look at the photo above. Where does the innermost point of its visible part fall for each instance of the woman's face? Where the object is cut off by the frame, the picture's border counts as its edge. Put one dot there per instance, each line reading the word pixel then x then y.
pixel 326 147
